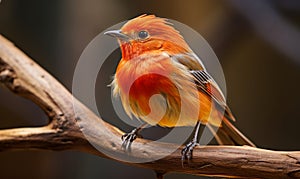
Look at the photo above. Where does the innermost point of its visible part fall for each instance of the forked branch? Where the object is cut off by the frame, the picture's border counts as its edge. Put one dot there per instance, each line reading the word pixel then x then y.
pixel 25 78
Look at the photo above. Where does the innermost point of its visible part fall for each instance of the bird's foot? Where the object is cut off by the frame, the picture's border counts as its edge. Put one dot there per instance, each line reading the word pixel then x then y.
pixel 187 151
pixel 128 138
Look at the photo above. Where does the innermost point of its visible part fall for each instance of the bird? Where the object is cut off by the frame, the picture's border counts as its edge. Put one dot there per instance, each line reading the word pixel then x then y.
pixel 156 60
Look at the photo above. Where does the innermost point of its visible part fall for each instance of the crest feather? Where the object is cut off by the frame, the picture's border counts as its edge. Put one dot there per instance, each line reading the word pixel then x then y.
pixel 158 28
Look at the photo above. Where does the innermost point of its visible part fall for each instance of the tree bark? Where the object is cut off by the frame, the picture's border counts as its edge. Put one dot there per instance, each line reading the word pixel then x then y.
pixel 65 131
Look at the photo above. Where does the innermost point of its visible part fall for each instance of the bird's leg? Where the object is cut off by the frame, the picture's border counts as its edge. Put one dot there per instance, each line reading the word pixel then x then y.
pixel 128 138
pixel 187 151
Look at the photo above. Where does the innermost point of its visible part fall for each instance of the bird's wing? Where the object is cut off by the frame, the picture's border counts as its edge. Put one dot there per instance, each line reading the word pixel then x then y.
pixel 190 60
pixel 204 81
pixel 207 84
pixel 225 134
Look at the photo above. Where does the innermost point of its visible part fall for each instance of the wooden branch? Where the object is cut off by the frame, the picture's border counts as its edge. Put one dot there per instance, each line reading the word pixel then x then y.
pixel 25 78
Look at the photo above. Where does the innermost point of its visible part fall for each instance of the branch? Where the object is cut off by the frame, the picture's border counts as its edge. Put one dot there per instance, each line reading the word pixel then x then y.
pixel 25 78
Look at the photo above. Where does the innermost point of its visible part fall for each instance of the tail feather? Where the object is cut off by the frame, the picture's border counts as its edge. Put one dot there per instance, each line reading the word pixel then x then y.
pixel 227 134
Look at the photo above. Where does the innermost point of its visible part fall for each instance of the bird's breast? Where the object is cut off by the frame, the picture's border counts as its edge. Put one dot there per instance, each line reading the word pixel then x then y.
pixel 140 79
pixel 148 86
pixel 157 91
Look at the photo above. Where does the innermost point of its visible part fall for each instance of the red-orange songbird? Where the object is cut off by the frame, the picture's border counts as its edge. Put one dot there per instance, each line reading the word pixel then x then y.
pixel 157 60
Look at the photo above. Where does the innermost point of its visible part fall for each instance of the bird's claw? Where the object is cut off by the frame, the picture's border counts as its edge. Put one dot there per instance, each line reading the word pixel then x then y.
pixel 187 151
pixel 128 138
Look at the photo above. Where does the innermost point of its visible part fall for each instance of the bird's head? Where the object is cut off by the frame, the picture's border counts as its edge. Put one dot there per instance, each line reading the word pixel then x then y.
pixel 148 33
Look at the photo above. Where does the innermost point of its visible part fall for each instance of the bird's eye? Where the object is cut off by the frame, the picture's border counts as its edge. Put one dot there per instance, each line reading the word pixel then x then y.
pixel 143 34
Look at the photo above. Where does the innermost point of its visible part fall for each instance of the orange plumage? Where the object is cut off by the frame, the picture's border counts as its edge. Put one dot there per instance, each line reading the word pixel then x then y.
pixel 156 60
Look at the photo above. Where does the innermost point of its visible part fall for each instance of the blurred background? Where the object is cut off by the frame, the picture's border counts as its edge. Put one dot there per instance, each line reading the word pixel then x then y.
pixel 257 43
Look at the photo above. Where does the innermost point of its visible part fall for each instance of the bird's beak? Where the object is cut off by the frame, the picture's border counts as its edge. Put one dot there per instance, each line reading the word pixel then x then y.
pixel 118 34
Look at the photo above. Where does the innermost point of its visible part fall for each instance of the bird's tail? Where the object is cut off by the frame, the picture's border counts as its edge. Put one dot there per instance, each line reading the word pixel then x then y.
pixel 227 134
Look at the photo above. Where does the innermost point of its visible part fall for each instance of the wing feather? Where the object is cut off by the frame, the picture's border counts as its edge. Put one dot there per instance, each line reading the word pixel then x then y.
pixel 205 82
